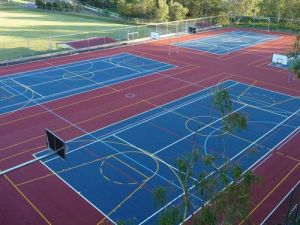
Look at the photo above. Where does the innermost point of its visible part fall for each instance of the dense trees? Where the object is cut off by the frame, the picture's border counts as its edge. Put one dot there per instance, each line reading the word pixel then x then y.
pixel 177 11
pixel 163 10
pixel 159 10
pixel 280 8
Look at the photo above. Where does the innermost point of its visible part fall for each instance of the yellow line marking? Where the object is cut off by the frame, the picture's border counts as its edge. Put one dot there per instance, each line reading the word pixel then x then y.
pixel 124 200
pixel 27 199
pixel 131 167
pixel 116 110
pixel 87 99
pixel 57 108
pixel 197 122
pixel 287 156
pixel 263 82
pixel 23 152
pixel 134 191
pixel 271 192
pixel 82 164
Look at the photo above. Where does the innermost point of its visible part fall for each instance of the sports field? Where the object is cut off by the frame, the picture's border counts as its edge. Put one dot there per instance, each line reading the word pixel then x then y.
pixel 24 30
pixel 127 113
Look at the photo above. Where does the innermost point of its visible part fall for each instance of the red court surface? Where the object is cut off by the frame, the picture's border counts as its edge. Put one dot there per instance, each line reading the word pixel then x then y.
pixel 91 42
pixel 34 195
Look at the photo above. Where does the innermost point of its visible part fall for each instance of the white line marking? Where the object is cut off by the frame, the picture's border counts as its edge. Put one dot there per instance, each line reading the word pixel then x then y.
pixel 78 192
pixel 155 115
pixel 26 87
pixel 89 90
pixel 207 125
pixel 282 200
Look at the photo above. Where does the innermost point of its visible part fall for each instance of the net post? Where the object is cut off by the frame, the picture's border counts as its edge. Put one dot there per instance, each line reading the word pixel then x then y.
pixel 167 27
pixel 186 26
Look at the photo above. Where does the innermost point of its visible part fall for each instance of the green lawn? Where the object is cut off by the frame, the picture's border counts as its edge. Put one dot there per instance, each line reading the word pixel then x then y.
pixel 25 32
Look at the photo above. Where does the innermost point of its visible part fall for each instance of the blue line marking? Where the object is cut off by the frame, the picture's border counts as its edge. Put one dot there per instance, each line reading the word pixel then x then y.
pixel 117 168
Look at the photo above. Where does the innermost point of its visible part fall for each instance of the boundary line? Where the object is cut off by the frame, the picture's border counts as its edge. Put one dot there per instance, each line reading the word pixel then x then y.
pixel 278 205
pixel 133 77
pixel 27 199
pixel 275 37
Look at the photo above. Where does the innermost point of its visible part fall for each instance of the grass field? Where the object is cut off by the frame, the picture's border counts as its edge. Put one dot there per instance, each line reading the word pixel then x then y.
pixel 25 32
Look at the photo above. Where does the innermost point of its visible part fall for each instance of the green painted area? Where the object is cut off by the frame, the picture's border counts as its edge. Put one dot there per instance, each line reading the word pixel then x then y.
pixel 25 32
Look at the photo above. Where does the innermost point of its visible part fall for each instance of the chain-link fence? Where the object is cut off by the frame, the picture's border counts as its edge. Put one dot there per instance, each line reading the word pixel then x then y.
pixel 59 44
pixel 287 211
pixel 113 37
pixel 267 23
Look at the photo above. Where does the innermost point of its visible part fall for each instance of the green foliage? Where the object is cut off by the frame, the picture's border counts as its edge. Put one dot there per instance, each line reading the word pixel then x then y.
pixel 170 216
pixel 234 121
pixel 242 7
pixel 227 189
pixel 280 8
pixel 207 217
pixel 161 12
pixel 160 196
pixel 59 6
pixel 130 221
pixel 177 11
pixel 39 3
pixel 209 159
pixel 295 55
pixel 236 172
pixel 185 166
pixel 297 44
pixel 222 100
pixel 296 67
pixel 201 8
pixel 232 204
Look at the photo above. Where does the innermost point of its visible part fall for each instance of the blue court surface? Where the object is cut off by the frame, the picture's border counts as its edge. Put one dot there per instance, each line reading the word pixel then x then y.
pixel 228 42
pixel 22 90
pixel 117 168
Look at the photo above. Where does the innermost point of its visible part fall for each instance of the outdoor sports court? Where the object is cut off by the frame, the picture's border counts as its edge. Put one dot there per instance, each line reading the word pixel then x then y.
pixel 227 42
pixel 122 163
pixel 127 114
pixel 35 87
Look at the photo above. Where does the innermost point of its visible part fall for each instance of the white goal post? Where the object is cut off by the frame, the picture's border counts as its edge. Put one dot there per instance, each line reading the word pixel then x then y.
pixel 155 35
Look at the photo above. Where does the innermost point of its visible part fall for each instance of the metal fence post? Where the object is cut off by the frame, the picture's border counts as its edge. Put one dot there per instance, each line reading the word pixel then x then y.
pixel 167 27
pixel 186 26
